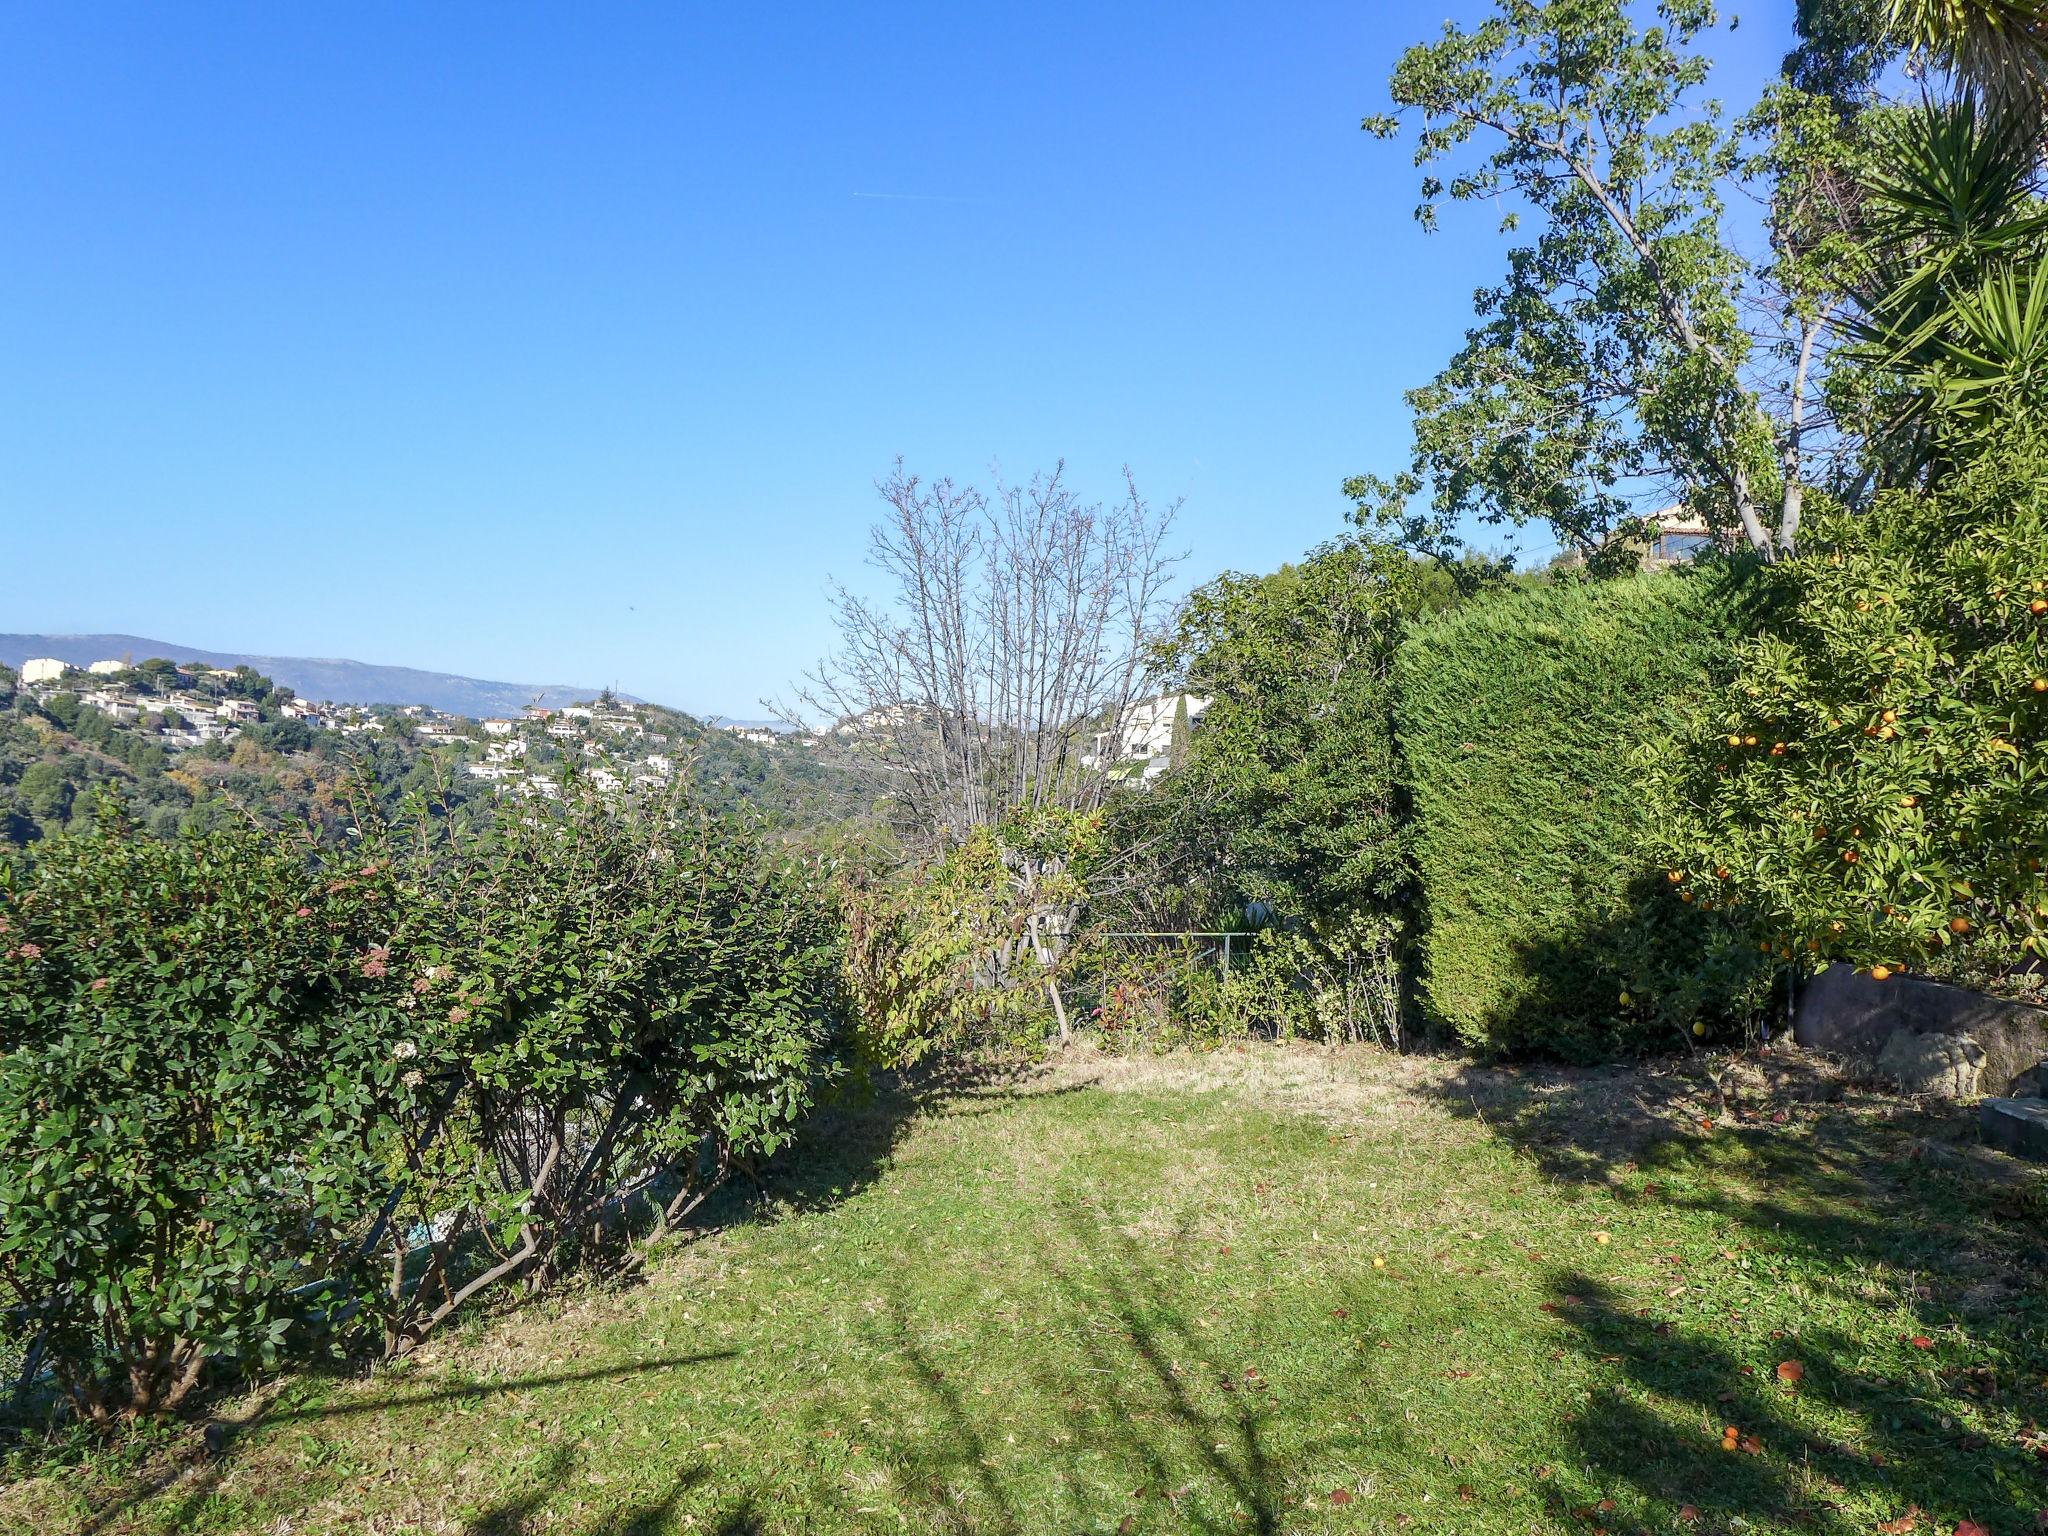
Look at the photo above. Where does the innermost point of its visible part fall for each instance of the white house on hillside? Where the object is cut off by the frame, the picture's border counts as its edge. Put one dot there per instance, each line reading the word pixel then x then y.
pixel 1146 737
pixel 107 668
pixel 43 669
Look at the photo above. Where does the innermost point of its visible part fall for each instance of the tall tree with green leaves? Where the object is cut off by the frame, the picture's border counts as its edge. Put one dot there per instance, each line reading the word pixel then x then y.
pixel 1619 357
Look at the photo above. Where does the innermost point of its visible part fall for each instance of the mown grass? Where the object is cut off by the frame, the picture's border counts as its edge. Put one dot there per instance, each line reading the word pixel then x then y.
pixel 1273 1290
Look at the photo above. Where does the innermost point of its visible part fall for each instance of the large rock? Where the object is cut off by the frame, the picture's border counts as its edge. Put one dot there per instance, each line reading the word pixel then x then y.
pixel 1848 1013
pixel 2018 1125
pixel 1945 1066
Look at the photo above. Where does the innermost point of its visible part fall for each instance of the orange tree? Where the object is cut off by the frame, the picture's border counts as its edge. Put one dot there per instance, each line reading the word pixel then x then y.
pixel 1875 786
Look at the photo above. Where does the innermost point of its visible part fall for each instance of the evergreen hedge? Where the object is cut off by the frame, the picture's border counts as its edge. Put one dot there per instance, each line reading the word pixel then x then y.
pixel 1526 724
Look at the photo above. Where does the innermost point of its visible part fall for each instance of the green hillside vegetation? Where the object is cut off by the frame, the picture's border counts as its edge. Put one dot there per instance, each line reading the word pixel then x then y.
pixel 59 754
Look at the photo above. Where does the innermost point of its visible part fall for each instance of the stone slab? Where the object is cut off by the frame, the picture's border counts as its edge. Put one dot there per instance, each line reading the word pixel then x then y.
pixel 2020 1126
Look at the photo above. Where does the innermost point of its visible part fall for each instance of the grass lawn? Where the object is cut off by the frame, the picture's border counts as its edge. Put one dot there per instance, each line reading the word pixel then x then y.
pixel 1268 1289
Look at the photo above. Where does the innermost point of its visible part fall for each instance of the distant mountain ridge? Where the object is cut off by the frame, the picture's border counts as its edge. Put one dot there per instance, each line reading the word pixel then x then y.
pixel 327 680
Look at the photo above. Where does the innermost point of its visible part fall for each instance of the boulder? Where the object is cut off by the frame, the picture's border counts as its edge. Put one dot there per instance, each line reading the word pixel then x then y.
pixel 2030 1084
pixel 1848 1013
pixel 2020 1126
pixel 1942 1066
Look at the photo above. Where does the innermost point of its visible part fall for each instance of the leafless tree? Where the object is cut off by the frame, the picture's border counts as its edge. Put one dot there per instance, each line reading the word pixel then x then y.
pixel 994 673
pixel 1011 633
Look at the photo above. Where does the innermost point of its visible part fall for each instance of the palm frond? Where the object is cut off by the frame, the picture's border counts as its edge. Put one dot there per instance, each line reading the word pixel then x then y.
pixel 1997 47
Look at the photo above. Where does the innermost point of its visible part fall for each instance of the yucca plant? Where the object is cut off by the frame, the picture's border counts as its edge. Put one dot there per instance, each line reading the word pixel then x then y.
pixel 1955 233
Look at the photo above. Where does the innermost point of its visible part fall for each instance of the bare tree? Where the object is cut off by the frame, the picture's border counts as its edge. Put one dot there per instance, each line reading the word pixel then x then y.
pixel 994 674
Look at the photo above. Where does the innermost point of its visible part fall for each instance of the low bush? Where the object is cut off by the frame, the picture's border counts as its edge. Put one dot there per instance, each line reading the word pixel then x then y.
pixel 613 1003
pixel 1523 721
pixel 197 1075
pixel 237 1075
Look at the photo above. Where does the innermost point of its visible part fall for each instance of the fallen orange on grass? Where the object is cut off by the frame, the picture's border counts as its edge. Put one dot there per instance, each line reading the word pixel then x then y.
pixel 1791 1371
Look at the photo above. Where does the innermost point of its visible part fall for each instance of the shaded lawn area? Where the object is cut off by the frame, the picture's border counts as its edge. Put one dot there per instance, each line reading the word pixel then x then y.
pixel 1265 1290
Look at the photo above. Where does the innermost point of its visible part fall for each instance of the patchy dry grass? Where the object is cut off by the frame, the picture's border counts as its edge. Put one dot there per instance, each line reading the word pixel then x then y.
pixel 1270 1289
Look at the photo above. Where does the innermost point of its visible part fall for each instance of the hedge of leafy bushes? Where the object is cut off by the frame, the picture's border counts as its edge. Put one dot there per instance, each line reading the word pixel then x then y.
pixel 1525 723
pixel 257 1096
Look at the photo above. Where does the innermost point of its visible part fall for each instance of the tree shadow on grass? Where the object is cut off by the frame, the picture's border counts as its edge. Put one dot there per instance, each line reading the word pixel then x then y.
pixel 189 1478
pixel 1661 1430
pixel 849 1141
pixel 1873 1202
pixel 1157 1430
pixel 1879 1181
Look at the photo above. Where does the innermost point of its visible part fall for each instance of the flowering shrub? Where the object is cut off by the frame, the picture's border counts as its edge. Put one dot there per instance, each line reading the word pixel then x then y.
pixel 197 1075
pixel 1874 787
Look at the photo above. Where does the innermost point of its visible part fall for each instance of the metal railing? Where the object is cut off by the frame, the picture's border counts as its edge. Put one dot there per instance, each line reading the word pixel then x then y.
pixel 1223 951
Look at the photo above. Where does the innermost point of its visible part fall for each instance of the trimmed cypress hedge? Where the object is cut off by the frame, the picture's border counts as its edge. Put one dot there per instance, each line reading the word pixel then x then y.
pixel 1548 926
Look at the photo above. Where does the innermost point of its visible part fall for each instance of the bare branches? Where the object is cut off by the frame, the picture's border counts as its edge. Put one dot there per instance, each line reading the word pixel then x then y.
pixel 1012 626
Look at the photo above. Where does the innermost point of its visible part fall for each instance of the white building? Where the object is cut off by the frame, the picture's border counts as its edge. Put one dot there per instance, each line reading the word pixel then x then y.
pixel 661 763
pixel 1145 738
pixel 500 727
pixel 238 710
pixel 107 668
pixel 118 707
pixel 43 669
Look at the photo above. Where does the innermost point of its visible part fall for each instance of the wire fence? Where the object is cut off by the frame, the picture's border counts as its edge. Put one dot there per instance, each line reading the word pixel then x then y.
pixel 1220 946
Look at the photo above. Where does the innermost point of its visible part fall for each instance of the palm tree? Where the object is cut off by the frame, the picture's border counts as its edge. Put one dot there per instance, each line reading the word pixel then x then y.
pixel 1997 48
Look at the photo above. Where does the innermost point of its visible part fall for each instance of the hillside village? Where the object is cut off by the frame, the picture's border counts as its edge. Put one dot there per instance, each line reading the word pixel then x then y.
pixel 179 738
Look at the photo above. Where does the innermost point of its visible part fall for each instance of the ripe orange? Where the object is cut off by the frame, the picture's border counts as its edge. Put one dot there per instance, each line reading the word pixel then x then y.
pixel 1959 925
pixel 2038 606
pixel 1880 973
pixel 1850 855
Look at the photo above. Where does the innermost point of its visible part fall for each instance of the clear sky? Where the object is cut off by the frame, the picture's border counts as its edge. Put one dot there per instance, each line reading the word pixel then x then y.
pixel 565 344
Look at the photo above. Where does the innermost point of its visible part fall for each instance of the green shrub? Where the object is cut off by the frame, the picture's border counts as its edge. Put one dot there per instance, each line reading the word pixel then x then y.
pixel 1873 784
pixel 1522 722
pixel 197 1070
pixel 234 1077
pixel 623 1001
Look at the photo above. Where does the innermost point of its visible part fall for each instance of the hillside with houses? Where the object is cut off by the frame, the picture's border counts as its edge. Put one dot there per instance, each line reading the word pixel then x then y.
pixel 180 745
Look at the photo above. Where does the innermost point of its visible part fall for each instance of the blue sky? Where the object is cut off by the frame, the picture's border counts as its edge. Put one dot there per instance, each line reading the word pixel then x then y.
pixel 565 344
